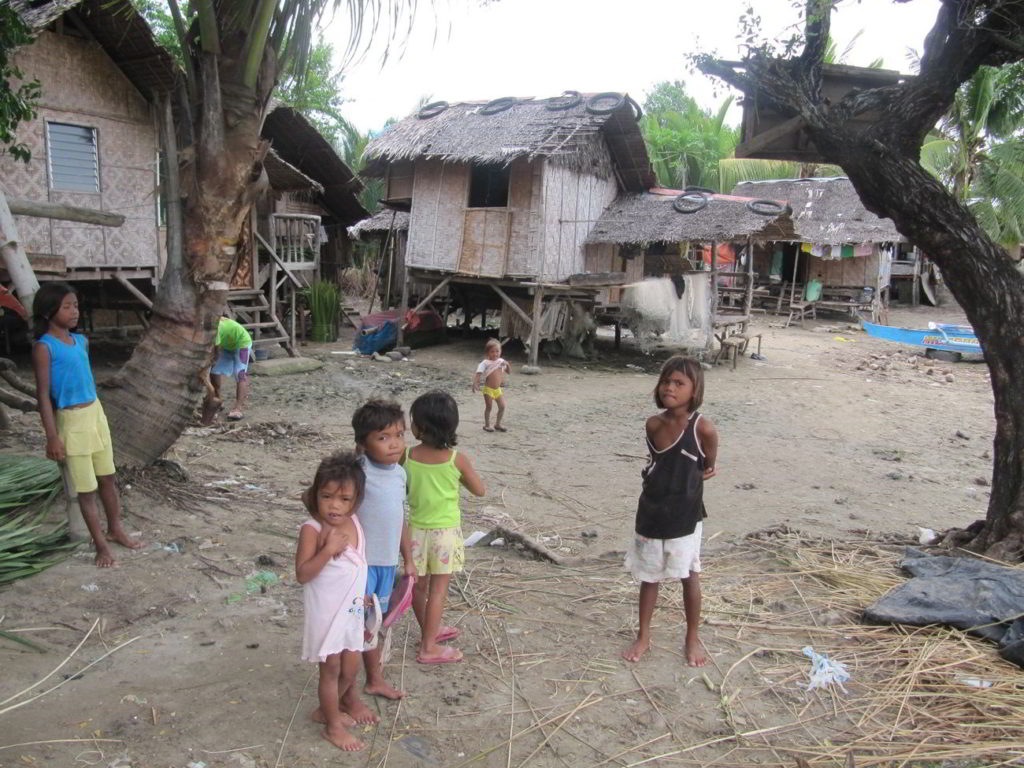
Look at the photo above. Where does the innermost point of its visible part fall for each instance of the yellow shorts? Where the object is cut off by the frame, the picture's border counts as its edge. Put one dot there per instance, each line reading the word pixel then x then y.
pixel 88 450
pixel 437 550
pixel 492 392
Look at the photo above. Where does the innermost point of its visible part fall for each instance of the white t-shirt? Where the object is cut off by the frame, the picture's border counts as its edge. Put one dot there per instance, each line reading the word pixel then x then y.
pixel 487 367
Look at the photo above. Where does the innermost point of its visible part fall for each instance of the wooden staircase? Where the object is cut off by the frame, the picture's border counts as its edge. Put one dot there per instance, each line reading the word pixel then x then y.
pixel 250 307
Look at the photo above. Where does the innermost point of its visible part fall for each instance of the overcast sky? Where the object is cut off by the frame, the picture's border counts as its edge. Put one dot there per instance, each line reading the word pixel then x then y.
pixel 543 47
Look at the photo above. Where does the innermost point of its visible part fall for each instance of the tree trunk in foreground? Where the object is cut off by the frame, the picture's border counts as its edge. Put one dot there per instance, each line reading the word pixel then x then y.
pixel 987 286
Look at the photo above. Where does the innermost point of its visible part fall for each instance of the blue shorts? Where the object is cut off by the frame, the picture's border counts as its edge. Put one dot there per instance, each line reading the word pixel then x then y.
pixel 380 581
pixel 232 362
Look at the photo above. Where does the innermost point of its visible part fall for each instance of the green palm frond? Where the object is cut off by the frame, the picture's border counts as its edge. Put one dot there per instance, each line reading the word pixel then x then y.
pixel 29 541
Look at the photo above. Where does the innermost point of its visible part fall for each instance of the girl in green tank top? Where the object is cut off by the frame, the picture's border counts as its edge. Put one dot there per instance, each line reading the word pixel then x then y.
pixel 435 473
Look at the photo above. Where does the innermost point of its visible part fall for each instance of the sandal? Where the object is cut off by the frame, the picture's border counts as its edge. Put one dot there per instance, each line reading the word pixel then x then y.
pixel 372 621
pixel 235 416
pixel 500 429
pixel 446 633
pixel 488 429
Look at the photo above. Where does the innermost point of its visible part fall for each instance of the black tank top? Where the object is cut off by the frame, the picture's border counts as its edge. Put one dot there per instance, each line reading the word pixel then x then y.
pixel 672 501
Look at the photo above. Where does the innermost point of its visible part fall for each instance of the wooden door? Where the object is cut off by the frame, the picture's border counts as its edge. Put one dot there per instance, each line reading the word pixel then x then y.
pixel 485 236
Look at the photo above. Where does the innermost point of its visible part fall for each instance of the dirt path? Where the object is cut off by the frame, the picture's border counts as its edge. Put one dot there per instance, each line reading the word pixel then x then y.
pixel 812 437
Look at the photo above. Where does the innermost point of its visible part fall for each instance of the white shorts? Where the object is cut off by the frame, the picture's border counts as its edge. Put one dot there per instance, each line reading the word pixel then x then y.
pixel 655 560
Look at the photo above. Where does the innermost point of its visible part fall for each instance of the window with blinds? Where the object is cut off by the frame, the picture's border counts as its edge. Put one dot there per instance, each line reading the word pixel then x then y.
pixel 71 150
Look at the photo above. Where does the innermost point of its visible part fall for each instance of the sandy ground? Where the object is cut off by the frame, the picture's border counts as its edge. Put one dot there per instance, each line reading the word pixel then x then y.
pixel 813 437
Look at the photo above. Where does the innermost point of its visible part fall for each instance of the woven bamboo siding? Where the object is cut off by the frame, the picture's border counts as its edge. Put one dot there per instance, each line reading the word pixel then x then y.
pixel 521 247
pixel 82 86
pixel 572 204
pixel 440 191
pixel 861 271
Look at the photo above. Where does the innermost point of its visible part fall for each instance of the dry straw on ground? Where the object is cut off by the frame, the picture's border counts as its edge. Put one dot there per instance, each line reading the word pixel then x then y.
pixel 913 698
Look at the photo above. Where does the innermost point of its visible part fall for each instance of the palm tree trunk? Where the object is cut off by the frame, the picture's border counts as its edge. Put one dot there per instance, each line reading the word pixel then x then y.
pixel 152 399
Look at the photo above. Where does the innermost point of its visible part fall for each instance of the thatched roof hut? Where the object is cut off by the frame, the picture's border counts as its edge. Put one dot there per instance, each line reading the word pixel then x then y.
pixel 825 210
pixel 640 218
pixel 299 143
pixel 380 223
pixel 531 129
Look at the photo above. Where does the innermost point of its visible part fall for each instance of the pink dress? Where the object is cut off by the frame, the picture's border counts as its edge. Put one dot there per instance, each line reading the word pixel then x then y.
pixel 333 603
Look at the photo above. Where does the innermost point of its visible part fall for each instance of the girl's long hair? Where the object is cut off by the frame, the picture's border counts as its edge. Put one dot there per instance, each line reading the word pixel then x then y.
pixel 46 304
pixel 436 416
pixel 691 369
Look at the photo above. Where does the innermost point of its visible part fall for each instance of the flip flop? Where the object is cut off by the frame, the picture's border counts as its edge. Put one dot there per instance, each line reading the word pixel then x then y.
pixel 446 633
pixel 501 429
pixel 235 416
pixel 401 605
pixel 372 622
pixel 449 655
pixel 488 429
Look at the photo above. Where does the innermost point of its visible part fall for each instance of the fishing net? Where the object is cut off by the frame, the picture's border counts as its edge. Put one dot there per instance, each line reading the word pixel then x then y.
pixel 655 312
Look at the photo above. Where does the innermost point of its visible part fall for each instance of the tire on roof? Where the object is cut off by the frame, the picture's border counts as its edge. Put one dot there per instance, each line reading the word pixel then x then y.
pixel 691 202
pixel 433 109
pixel 597 104
pixel 768 208
pixel 567 100
pixel 494 106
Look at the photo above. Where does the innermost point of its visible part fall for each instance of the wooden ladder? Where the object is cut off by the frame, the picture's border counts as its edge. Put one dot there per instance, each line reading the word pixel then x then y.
pixel 250 307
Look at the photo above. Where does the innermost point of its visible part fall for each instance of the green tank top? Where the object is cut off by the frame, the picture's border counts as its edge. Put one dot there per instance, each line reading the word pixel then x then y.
pixel 433 493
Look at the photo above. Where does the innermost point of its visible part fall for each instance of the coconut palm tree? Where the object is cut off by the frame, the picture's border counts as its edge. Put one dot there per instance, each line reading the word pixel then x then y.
pixel 233 55
pixel 977 150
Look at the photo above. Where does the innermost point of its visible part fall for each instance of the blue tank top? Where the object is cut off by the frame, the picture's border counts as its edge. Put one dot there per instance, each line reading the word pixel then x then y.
pixel 71 381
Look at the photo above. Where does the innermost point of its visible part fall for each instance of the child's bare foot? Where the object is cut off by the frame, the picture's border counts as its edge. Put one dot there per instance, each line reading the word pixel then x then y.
pixel 359 712
pixel 636 651
pixel 318 717
pixel 696 656
pixel 121 537
pixel 384 689
pixel 342 739
pixel 104 557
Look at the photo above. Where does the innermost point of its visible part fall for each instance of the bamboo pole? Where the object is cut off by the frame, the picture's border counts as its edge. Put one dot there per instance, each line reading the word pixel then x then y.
pixel 45 210
pixel 15 260
pixel 538 302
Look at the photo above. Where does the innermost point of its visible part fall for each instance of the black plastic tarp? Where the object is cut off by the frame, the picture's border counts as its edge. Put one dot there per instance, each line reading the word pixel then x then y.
pixel 982 598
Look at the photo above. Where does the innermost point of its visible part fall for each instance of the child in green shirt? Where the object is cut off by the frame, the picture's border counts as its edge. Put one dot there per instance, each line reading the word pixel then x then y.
pixel 234 352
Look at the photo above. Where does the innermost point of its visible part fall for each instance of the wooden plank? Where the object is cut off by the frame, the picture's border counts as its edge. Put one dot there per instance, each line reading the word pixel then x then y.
pixel 763 139
pixel 143 298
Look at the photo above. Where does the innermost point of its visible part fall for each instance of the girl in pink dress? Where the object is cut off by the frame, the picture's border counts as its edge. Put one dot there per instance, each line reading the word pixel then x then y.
pixel 331 565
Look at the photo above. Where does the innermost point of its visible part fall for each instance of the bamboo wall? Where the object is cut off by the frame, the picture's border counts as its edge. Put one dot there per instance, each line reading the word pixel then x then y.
pixel 573 202
pixel 82 86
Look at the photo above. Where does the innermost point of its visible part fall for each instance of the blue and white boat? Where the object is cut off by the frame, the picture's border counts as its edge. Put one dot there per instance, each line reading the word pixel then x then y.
pixel 941 336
